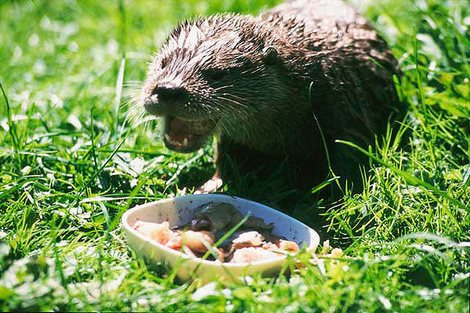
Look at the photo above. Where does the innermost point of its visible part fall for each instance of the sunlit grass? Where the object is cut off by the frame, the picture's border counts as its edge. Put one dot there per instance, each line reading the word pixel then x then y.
pixel 71 164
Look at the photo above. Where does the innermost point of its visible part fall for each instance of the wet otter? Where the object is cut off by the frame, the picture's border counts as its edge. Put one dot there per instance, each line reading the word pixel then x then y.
pixel 267 85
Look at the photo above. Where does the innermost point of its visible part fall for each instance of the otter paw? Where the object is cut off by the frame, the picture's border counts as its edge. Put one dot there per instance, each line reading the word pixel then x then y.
pixel 210 186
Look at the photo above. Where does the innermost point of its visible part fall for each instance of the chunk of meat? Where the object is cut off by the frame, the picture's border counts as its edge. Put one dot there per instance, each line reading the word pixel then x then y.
pixel 248 239
pixel 251 254
pixel 289 246
pixel 198 241
pixel 160 232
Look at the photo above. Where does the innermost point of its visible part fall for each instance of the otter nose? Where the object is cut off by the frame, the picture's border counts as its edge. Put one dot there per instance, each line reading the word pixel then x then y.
pixel 171 94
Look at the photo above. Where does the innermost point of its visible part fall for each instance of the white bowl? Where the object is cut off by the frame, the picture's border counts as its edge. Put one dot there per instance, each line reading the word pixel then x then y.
pixel 180 210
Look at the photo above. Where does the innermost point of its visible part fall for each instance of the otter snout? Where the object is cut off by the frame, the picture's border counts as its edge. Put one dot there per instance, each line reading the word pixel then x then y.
pixel 168 94
pixel 169 101
pixel 163 99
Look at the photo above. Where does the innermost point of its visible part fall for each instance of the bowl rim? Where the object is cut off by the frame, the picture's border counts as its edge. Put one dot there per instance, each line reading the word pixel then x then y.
pixel 217 263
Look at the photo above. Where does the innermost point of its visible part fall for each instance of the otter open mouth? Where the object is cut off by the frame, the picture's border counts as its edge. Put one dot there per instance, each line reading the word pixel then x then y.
pixel 185 136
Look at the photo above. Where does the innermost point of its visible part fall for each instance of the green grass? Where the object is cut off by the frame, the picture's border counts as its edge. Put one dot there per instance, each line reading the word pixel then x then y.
pixel 70 165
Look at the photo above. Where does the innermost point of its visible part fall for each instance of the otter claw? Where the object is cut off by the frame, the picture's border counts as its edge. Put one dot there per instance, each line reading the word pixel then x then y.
pixel 210 186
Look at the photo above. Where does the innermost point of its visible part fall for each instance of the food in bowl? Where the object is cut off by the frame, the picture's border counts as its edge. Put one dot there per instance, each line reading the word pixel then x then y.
pixel 181 210
pixel 219 231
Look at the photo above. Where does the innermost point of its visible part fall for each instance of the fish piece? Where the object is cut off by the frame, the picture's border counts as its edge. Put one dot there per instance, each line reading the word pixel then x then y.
pixel 289 246
pixel 215 216
pixel 160 232
pixel 197 241
pixel 175 241
pixel 253 254
pixel 255 222
pixel 248 239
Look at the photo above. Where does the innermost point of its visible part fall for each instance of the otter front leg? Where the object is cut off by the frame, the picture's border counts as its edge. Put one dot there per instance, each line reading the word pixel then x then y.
pixel 241 167
pixel 216 182
pixel 232 161
pixel 237 164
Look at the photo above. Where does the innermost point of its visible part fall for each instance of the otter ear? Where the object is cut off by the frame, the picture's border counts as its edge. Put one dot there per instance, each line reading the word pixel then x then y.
pixel 270 55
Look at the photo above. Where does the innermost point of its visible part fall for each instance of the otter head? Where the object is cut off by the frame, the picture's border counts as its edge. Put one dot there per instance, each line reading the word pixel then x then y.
pixel 211 75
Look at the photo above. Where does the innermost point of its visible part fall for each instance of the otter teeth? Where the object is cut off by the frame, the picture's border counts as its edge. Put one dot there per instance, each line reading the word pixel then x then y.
pixel 176 142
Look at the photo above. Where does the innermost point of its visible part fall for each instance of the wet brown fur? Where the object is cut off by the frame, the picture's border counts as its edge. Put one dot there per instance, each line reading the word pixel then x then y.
pixel 269 83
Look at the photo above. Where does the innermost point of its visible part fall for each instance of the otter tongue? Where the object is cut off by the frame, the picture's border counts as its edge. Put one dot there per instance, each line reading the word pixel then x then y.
pixel 184 136
pixel 179 130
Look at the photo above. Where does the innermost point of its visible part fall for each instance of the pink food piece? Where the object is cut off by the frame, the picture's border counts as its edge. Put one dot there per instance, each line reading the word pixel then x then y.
pixel 248 255
pixel 160 232
pixel 197 240
pixel 175 241
pixel 248 239
pixel 289 246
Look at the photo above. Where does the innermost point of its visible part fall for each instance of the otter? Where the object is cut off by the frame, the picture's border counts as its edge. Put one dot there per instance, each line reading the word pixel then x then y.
pixel 276 89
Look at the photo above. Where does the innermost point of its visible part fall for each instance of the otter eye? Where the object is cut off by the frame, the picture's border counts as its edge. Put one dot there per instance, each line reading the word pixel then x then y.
pixel 163 63
pixel 214 74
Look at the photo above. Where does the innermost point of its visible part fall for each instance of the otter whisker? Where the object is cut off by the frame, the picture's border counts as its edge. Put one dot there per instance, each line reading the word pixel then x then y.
pixel 223 88
pixel 239 98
